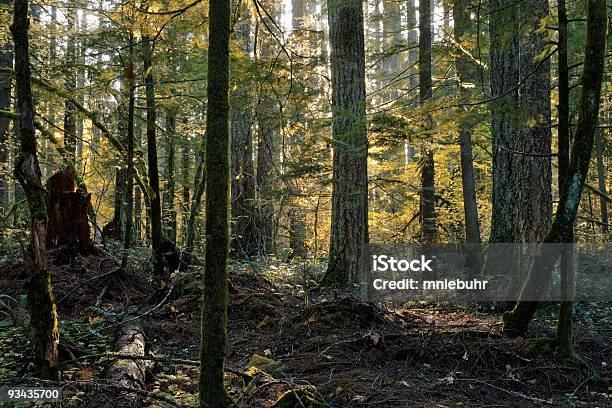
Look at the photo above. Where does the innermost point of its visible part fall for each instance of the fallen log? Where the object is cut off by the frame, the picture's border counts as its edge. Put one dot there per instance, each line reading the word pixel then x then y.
pixel 129 373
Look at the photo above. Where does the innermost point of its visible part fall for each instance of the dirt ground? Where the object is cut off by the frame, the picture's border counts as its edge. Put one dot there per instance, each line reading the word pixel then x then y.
pixel 284 351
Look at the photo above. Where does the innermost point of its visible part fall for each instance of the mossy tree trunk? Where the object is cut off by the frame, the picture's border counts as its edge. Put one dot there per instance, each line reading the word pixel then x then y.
pixel 169 192
pixel 600 151
pixel 155 205
pixel 6 61
pixel 561 231
pixel 27 171
pixel 129 201
pixel 244 216
pixel 349 224
pixel 218 169
pixel 70 130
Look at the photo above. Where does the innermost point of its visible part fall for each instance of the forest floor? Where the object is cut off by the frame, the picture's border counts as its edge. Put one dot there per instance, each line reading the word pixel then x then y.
pixel 285 351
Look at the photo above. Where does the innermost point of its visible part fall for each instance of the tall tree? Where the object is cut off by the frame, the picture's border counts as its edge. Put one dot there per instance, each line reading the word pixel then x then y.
pixel 561 230
pixel 186 191
pixel 169 190
pixel 6 61
pixel 244 237
pixel 129 200
pixel 600 151
pixel 218 170
pixel 412 25
pixel 465 70
pixel 268 132
pixel 40 294
pixel 503 68
pixel 535 202
pixel 156 216
pixel 533 152
pixel 427 198
pixel 349 223
pixel 70 128
pixel 565 326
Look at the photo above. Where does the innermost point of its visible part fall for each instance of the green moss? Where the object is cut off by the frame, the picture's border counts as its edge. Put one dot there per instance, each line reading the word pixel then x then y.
pixel 538 346
pixel 303 395
pixel 266 364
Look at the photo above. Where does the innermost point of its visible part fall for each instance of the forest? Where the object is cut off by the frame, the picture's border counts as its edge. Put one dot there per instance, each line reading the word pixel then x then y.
pixel 200 199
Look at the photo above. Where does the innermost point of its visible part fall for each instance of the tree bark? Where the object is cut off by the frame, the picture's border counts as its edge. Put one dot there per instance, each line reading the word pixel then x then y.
pixel 137 192
pixel 70 140
pixel 129 199
pixel 168 208
pixel 6 61
pixel 349 223
pixel 268 132
pixel 516 321
pixel 81 77
pixel 27 170
pixel 186 192
pixel 534 111
pixel 218 169
pixel 504 62
pixel 470 206
pixel 244 219
pixel 427 198
pixel 156 218
pixel 565 327
pixel 412 22
pixel 601 179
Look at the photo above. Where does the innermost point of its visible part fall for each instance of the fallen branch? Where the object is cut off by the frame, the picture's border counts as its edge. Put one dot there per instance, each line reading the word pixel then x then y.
pixel 132 319
pixel 509 392
pixel 81 284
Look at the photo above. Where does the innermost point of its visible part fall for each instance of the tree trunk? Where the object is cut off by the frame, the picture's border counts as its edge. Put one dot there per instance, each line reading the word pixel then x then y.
pixel 464 75
pixel 81 78
pixel 535 206
pixel 566 311
pixel 516 321
pixel 169 210
pixel 137 192
pixel 427 198
pixel 600 151
pixel 40 294
pixel 185 192
pixel 268 132
pixel 218 170
pixel 129 199
pixel 412 23
pixel 6 61
pixel 156 219
pixel 244 237
pixel 504 62
pixel 349 223
pixel 534 143
pixel 70 134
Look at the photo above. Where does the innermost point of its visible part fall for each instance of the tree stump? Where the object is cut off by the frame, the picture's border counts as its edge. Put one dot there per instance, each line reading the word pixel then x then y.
pixel 68 225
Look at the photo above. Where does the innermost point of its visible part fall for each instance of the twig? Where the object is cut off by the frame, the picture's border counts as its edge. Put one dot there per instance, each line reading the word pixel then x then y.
pixel 87 281
pixel 148 312
pixel 509 392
